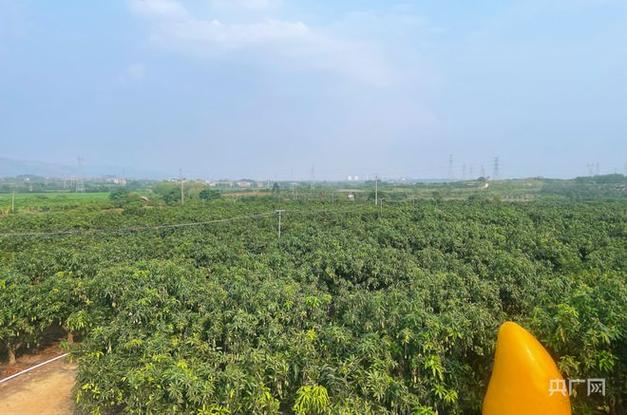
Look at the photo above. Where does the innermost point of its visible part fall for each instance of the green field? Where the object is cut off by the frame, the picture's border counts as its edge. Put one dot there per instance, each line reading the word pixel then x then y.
pixel 38 202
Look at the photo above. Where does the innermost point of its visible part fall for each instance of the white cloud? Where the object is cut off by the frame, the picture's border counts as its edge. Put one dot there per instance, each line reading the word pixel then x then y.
pixel 136 71
pixel 281 41
pixel 166 9
pixel 233 36
pixel 246 4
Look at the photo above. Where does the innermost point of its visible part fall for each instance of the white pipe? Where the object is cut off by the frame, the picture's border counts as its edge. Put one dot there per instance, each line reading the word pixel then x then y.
pixel 33 368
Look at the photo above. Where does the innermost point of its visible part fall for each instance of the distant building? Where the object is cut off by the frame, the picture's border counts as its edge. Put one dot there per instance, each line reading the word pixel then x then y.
pixel 116 180
pixel 245 183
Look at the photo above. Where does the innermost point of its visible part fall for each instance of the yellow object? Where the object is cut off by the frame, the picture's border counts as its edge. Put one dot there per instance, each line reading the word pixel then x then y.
pixel 525 379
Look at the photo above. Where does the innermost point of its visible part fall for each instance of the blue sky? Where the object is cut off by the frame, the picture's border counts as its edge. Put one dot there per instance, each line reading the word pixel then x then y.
pixel 270 88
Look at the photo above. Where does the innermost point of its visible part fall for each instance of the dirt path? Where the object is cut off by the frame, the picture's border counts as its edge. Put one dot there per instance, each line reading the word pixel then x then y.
pixel 43 391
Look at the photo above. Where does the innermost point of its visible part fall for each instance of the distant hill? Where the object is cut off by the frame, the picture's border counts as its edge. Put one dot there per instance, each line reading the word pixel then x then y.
pixel 12 167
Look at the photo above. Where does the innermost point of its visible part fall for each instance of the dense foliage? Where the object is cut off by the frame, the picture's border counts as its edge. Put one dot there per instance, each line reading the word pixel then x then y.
pixel 354 310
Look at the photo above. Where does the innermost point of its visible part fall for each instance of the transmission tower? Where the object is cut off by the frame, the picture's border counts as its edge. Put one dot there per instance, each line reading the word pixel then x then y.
pixel 495 168
pixel 596 168
pixel 182 180
pixel 80 185
pixel 464 171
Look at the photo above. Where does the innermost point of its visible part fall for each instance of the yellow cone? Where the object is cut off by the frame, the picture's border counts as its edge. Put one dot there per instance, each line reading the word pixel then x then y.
pixel 525 379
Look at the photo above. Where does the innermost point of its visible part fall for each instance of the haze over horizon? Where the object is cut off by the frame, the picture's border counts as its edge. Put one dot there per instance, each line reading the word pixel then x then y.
pixel 272 88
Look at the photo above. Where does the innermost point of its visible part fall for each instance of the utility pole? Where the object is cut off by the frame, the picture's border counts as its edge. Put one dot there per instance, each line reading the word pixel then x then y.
pixel 182 186
pixel 80 185
pixel 280 211
pixel 450 167
pixel 13 202
pixel 376 190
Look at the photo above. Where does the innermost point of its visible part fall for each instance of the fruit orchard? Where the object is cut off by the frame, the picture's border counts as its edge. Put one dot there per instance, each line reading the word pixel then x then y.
pixel 356 309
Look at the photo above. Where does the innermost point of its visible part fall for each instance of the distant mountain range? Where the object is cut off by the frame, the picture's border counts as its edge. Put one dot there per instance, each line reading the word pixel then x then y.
pixel 12 167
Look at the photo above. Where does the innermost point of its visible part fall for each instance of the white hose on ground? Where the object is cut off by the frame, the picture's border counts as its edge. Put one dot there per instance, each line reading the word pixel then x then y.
pixel 32 368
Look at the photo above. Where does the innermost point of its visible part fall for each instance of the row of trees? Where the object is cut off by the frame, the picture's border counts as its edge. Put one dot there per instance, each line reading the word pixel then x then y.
pixel 168 193
pixel 352 311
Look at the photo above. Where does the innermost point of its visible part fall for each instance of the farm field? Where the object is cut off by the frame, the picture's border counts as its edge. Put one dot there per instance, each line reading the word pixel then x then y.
pixel 355 309
pixel 48 201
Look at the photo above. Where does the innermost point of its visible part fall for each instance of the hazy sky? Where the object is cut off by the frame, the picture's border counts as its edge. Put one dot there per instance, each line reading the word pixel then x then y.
pixel 270 88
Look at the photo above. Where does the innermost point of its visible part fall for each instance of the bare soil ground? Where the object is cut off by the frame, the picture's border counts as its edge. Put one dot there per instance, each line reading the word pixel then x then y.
pixel 30 358
pixel 44 391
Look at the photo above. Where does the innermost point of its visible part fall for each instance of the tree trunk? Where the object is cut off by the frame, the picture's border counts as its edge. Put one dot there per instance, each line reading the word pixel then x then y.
pixel 11 350
pixel 70 337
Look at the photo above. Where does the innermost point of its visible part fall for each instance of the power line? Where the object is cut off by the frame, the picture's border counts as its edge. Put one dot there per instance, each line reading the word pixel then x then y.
pixel 177 225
